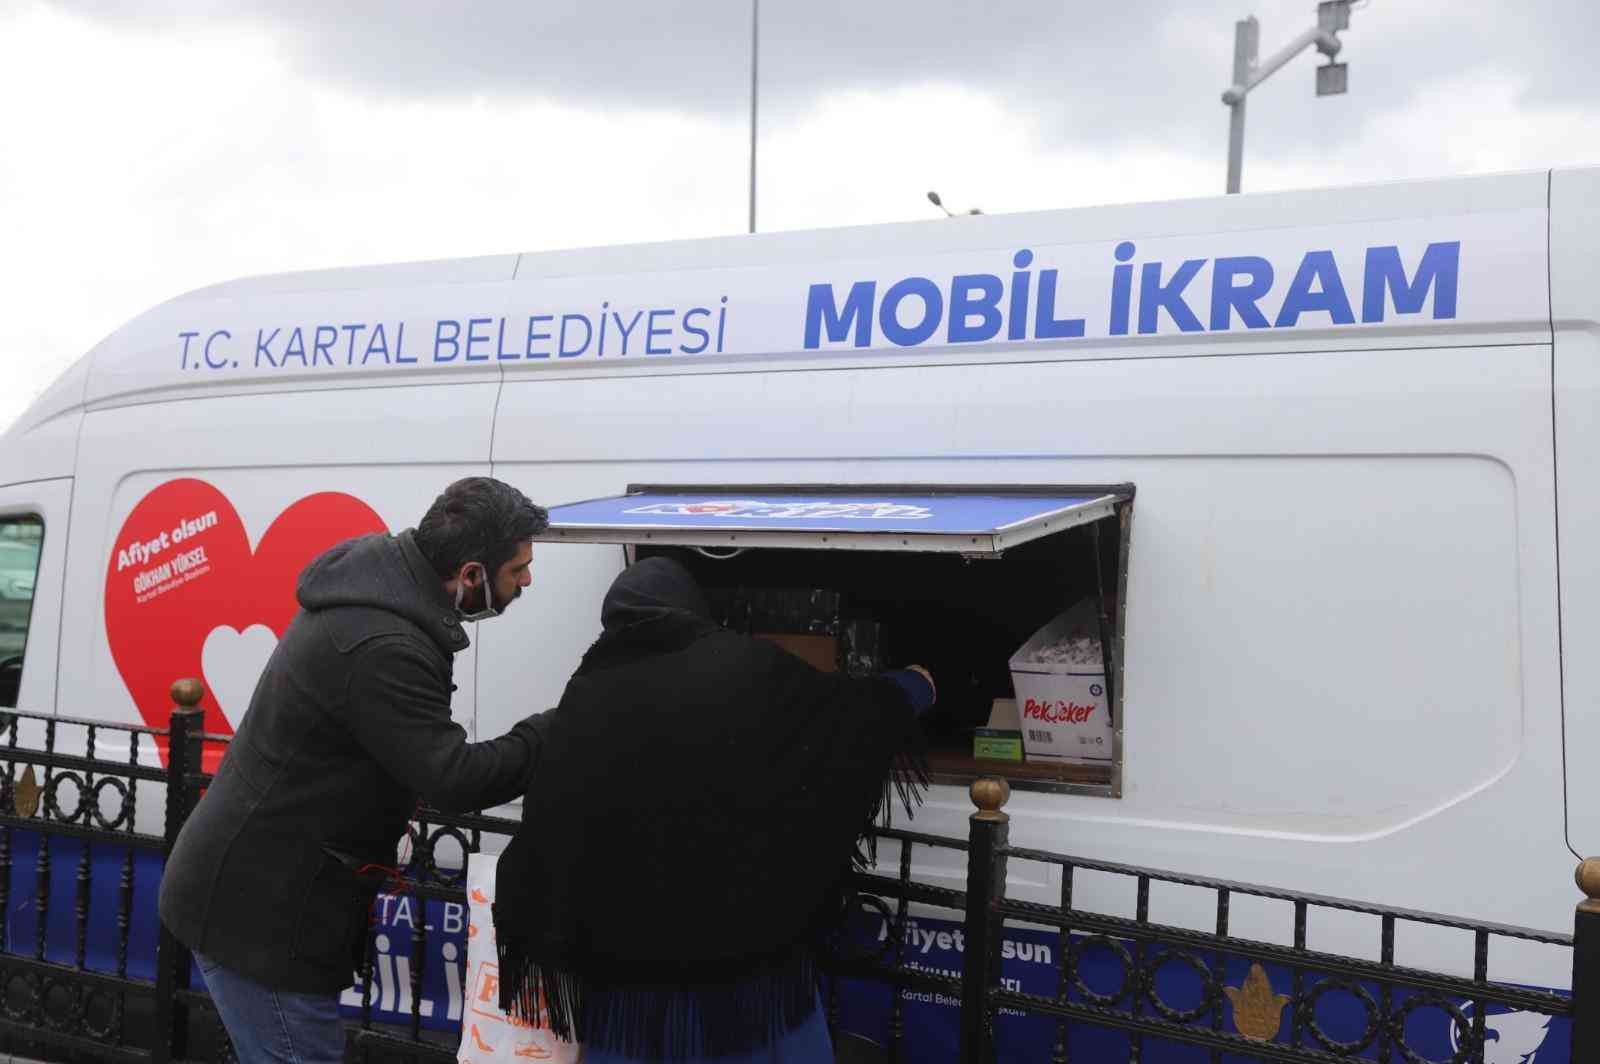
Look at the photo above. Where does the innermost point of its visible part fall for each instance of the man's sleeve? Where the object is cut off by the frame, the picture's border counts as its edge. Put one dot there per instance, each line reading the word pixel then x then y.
pixel 915 686
pixel 399 712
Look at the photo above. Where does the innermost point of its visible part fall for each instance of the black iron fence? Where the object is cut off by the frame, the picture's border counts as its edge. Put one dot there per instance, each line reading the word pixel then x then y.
pixel 98 978
pixel 1383 997
pixel 60 813
pixel 88 974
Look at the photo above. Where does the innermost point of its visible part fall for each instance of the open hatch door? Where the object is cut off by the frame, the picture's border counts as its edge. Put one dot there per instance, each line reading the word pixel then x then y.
pixel 976 522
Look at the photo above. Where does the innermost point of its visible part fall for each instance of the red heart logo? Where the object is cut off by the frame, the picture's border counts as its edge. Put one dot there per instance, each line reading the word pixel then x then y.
pixel 182 566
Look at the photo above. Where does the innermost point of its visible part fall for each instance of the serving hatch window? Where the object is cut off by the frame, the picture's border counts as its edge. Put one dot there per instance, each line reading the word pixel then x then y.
pixel 21 540
pixel 1011 596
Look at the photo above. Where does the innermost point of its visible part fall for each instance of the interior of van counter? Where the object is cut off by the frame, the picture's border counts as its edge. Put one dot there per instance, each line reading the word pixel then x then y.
pixel 859 578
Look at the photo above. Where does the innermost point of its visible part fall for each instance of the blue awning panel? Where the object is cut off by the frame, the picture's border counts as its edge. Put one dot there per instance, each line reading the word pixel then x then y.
pixel 850 518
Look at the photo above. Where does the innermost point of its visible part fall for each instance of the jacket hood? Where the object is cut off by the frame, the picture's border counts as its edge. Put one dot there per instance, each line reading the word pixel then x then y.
pixel 649 590
pixel 383 572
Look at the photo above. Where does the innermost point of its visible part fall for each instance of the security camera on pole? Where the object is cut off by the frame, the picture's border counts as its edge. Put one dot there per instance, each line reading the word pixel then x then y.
pixel 1332 78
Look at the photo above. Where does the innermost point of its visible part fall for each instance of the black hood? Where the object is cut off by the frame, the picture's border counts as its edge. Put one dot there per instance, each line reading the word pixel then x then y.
pixel 384 572
pixel 647 590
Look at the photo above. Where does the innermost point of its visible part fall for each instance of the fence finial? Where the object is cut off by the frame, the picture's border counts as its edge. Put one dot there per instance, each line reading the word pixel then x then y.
pixel 1589 882
pixel 990 794
pixel 188 693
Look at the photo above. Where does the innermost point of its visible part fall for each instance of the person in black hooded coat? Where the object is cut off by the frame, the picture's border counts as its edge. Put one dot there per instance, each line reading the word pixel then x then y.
pixel 700 798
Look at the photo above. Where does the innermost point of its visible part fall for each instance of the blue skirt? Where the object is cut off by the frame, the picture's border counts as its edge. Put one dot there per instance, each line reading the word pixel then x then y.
pixel 806 1044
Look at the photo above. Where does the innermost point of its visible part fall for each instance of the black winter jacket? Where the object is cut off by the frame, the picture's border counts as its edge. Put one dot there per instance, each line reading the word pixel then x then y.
pixel 349 725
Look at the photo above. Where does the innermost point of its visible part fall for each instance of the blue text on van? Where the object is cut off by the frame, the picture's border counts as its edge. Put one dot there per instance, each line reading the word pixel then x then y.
pixel 979 307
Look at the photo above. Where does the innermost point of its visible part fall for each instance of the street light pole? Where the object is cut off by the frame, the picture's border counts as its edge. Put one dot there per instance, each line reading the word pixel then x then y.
pixel 755 53
pixel 1246 43
pixel 1332 78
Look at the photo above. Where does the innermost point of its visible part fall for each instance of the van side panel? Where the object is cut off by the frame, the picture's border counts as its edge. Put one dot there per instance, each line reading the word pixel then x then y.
pixel 1575 313
pixel 1342 616
pixel 259 484
pixel 1341 644
pixel 43 443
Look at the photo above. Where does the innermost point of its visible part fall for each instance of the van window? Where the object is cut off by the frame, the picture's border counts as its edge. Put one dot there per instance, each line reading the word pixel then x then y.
pixel 21 539
pixel 1011 596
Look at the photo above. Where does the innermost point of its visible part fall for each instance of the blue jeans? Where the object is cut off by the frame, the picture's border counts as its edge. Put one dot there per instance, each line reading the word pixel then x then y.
pixel 270 1026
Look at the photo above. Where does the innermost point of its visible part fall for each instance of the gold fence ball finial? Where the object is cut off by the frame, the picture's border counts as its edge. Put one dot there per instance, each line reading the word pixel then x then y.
pixel 188 693
pixel 1588 877
pixel 990 795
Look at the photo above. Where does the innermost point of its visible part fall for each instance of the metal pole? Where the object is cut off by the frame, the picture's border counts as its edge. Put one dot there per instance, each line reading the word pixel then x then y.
pixel 755 55
pixel 1586 966
pixel 184 726
pixel 988 830
pixel 1246 40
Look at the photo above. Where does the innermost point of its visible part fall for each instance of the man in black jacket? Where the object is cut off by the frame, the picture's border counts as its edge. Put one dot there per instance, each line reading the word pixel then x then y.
pixel 273 875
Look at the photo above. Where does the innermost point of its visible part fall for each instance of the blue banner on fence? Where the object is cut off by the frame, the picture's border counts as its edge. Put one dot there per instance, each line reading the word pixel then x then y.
pixel 1255 1004
pixel 401 922
pixel 1255 997
pixel 107 867
pixel 395 924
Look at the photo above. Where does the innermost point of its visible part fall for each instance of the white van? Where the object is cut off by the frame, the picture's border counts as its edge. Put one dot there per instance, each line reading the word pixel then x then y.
pixel 1335 451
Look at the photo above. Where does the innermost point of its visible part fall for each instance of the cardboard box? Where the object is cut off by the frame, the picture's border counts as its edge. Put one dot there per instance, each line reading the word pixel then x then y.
pixel 1001 738
pixel 1060 682
pixel 819 651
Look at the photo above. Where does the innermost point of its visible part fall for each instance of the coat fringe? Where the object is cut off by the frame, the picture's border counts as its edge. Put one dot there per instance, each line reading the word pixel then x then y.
pixel 906 782
pixel 661 1022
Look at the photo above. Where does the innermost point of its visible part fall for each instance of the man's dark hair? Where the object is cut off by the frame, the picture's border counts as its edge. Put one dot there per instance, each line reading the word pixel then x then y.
pixel 477 519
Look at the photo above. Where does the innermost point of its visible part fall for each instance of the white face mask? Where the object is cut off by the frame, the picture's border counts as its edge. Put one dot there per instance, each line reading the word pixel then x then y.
pixel 488 610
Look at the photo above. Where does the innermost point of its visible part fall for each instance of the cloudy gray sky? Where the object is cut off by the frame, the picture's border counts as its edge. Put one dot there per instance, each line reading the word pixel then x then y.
pixel 153 146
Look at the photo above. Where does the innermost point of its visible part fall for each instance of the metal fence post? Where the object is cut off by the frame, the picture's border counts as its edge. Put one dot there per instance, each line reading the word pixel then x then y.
pixel 986 883
pixel 172 957
pixel 1586 965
